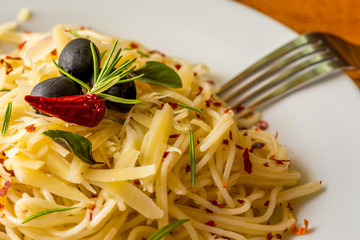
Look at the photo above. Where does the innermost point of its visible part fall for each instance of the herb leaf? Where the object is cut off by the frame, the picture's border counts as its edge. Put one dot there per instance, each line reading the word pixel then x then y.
pixel 192 157
pixel 39 214
pixel 75 34
pixel 166 229
pixel 118 99
pixel 6 121
pixel 77 144
pixel 159 74
pixel 5 90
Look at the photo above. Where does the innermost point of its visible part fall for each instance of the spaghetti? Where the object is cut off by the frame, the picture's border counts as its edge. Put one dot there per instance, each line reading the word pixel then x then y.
pixel 242 176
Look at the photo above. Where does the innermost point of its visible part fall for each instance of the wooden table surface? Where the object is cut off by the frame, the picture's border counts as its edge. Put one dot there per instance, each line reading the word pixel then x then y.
pixel 340 17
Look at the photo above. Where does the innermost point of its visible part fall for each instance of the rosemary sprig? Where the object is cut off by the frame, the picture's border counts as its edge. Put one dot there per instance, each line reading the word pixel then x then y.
pixel 192 157
pixel 75 34
pixel 166 229
pixel 109 75
pixel 187 106
pixel 39 214
pixel 6 121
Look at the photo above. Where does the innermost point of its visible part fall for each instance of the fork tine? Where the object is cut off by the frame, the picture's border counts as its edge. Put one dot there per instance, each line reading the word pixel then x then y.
pixel 325 67
pixel 294 44
pixel 315 47
pixel 316 59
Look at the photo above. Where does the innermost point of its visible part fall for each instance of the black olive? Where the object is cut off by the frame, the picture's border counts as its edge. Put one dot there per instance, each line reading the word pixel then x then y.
pixel 123 90
pixel 76 59
pixel 56 87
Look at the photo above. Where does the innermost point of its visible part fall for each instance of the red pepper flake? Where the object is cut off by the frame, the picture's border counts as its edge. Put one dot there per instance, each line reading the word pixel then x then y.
pixel 92 207
pixel 137 182
pixel 225 141
pixel 211 82
pixel 218 104
pixel 84 110
pixel 9 68
pixel 21 45
pixel 2 61
pixel 230 135
pixel 12 58
pixel 197 115
pixel 5 188
pixel 173 105
pixel 239 147
pixel 266 164
pixel 208 102
pixel 247 162
pixel 278 236
pixel 177 66
pixel 1 206
pixel 285 230
pixel 211 223
pixel 26 31
pixel 197 141
pixel 289 206
pixel 54 52
pixel 266 203
pixel 245 134
pixel 277 134
pixel 91 216
pixel 214 202
pixel 187 168
pixel 30 128
pixel 269 236
pixel 302 230
pixel 241 201
pixel 165 154
pixel 208 211
pixel 3 215
pixel 133 45
pixel 156 51
pixel 174 135
pixel 199 91
pixel 195 74
pixel 258 145
pixel 227 110
pixel 263 125
pixel 224 185
pixel 94 195
pixel 239 108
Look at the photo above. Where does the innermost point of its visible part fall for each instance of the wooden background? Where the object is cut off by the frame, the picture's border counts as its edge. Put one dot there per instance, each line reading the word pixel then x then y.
pixel 340 17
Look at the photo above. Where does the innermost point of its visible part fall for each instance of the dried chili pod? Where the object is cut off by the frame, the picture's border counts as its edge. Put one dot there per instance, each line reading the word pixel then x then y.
pixel 85 110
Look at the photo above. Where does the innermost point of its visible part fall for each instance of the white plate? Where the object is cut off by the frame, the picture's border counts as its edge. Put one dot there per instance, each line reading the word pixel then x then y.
pixel 319 125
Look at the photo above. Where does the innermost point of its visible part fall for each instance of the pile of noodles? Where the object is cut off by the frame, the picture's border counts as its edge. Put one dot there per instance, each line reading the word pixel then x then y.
pixel 243 183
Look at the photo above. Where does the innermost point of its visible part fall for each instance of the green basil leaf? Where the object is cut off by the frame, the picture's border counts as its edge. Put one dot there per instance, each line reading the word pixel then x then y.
pixel 159 74
pixel 166 229
pixel 77 144
pixel 39 214
pixel 6 121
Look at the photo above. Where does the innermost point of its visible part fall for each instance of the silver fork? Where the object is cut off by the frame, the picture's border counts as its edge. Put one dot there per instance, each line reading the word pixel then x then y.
pixel 289 67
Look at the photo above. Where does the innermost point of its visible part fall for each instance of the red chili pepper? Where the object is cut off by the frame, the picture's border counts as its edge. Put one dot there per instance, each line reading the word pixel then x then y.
pixel 85 110
pixel 247 162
